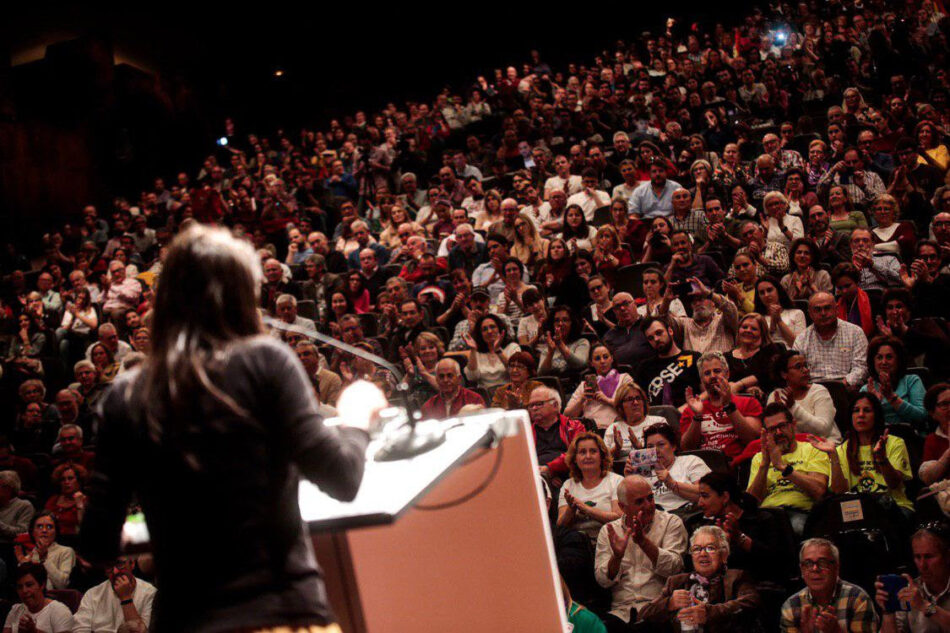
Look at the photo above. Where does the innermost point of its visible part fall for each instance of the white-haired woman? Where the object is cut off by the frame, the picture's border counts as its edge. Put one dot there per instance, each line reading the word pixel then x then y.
pixel 713 598
pixel 780 225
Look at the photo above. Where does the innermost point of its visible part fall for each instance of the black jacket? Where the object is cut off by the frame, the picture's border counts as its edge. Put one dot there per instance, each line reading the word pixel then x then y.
pixel 230 548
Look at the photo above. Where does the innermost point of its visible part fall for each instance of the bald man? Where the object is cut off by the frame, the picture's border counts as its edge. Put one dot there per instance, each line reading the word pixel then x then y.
pixel 452 395
pixel 637 552
pixel 835 349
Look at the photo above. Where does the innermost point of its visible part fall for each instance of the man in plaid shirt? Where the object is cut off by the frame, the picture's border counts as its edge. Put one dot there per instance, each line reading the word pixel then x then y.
pixel 834 349
pixel 827 603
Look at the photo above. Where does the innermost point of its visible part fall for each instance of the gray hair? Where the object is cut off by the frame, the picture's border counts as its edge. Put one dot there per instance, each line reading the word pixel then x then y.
pixel 622 486
pixel 11 480
pixel 819 542
pixel 465 227
pixel 774 195
pixel 713 355
pixel 286 298
pixel 716 532
pixel 72 427
pixel 452 363
pixel 552 393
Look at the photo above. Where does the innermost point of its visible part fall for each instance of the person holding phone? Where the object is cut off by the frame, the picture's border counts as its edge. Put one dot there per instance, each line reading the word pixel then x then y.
pixel 594 397
pixel 921 604
pixel 226 414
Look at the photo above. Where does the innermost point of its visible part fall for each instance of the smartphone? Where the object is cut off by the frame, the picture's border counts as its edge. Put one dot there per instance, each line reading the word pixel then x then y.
pixel 682 290
pixel 893 584
pixel 590 382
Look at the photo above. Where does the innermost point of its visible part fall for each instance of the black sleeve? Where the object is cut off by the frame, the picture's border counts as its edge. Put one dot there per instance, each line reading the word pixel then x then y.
pixel 331 457
pixel 109 489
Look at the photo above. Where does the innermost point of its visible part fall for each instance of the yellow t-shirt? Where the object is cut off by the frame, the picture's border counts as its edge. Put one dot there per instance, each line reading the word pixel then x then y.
pixel 870 479
pixel 781 492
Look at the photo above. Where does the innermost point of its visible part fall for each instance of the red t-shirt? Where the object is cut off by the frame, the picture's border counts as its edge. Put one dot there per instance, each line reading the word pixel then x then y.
pixel 717 429
pixel 934 447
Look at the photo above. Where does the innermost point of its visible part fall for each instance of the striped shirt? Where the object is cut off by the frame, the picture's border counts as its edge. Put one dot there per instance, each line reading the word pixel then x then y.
pixel 853 609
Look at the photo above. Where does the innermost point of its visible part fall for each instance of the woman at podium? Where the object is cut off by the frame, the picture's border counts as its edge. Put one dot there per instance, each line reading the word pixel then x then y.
pixel 211 435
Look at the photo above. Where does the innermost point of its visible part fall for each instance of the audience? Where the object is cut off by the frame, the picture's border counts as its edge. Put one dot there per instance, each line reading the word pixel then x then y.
pixel 788 154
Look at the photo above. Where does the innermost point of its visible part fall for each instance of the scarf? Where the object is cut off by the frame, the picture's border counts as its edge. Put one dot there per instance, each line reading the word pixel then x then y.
pixel 864 310
pixel 608 384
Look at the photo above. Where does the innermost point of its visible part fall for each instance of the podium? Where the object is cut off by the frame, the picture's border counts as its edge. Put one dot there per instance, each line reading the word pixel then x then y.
pixel 455 539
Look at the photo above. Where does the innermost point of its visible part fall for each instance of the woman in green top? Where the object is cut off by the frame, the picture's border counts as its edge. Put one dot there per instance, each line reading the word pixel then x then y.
pixel 869 460
pixel 842 216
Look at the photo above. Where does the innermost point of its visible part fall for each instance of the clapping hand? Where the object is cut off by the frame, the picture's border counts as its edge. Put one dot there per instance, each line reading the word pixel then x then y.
pixel 824 445
pixel 619 542
pixel 880 448
pixel 680 599
pixel 694 402
pixel 469 341
pixel 27 624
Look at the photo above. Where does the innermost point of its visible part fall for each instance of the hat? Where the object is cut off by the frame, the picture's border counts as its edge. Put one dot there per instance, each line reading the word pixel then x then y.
pixel 480 292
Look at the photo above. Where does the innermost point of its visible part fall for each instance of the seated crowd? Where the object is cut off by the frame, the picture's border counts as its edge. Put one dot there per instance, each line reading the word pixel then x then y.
pixel 709 265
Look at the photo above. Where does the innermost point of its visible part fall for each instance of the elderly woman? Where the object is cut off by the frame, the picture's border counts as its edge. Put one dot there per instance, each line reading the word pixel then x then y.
pixel 805 280
pixel 515 394
pixel 35 613
pixel 588 499
pixel 594 397
pixel 901 394
pixel 69 503
pixel 675 479
pixel 781 226
pixel 562 349
pixel 58 560
pixel 811 405
pixel 891 236
pixel 713 598
pixel 869 460
pixel 488 351
pixel 936 458
pixel 626 433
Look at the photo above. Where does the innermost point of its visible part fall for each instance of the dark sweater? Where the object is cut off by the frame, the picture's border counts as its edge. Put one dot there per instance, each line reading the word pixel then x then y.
pixel 231 550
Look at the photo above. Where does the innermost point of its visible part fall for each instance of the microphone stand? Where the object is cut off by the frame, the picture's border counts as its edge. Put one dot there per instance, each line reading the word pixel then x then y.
pixel 405 441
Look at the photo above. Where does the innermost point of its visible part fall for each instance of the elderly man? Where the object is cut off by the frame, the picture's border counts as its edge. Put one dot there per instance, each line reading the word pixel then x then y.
pixel 120 600
pixel 783 158
pixel 363 239
pixel 506 225
pixel 721 420
pixel 459 217
pixel 551 213
pixel 637 553
pixel 626 339
pixel 767 177
pixel 553 432
pixel 654 198
pixel 123 293
pixel 786 473
pixel 452 395
pixel 15 514
pixel 374 277
pixel 590 198
pixel 468 253
pixel 273 285
pixel 326 383
pixel 687 218
pixel 52 301
pixel 109 337
pixel 771 258
pixel 410 326
pixel 827 603
pixel 713 324
pixel 69 445
pixel 834 349
pixel 879 270
pixel 927 594
pixel 862 184
pixel 287 312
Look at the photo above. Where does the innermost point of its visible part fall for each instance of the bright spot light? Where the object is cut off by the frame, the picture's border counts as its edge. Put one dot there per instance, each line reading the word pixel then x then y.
pixel 360 403
pixel 278 73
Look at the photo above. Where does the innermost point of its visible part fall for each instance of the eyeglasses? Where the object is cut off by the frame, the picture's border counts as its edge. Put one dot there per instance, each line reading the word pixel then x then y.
pixel 824 564
pixel 778 428
pixel 538 405
pixel 595 288
pixel 699 549
pixel 633 400
pixel 623 303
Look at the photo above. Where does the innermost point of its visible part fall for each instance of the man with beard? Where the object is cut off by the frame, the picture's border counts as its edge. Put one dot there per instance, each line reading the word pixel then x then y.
pixel 786 473
pixel 714 322
pixel 667 375
pixel 833 246
pixel 654 198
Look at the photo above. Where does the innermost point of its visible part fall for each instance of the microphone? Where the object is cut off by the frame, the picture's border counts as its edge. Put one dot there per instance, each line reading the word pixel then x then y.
pixel 405 440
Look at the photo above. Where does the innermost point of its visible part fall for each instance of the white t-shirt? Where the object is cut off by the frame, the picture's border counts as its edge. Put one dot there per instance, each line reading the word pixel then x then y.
pixel 646 423
pixel 53 618
pixel 574 184
pixel 600 497
pixel 685 469
pixel 491 372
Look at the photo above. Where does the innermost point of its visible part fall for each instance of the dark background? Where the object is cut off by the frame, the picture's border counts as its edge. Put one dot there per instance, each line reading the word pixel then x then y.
pixel 76 128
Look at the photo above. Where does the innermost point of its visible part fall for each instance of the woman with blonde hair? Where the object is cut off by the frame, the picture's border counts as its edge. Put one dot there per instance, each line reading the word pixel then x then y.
pixel 750 363
pixel 891 235
pixel 491 213
pixel 528 247
pixel 390 234
pixel 633 409
pixel 588 499
pixel 609 253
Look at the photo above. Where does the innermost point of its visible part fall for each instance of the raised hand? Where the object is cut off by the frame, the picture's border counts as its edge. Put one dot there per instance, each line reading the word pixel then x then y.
pixel 634 442
pixel 694 403
pixel 618 542
pixel 764 449
pixel 618 438
pixel 882 327
pixel 824 445
pixel 880 448
pixel 469 341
